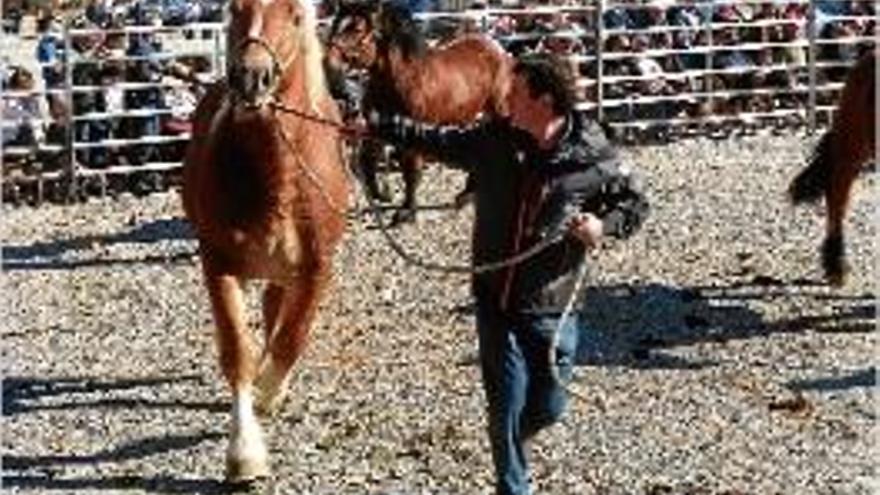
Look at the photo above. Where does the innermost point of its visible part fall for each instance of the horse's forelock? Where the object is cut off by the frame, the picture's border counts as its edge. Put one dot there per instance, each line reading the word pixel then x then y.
pixel 398 28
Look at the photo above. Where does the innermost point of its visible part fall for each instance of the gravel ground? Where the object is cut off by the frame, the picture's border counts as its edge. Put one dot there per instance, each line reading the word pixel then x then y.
pixel 716 362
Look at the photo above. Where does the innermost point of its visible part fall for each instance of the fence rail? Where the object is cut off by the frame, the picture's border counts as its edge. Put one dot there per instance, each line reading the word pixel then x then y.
pixel 122 118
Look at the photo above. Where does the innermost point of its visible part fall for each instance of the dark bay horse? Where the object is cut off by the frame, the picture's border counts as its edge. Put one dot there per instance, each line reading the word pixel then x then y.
pixel 267 192
pixel 454 83
pixel 841 154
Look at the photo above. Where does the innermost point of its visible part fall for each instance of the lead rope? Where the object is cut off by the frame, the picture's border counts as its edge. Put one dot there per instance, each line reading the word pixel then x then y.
pixel 474 269
pixel 554 341
pixel 383 228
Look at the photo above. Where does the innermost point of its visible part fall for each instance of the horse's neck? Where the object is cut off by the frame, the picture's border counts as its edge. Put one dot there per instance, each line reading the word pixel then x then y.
pixel 293 91
pixel 404 72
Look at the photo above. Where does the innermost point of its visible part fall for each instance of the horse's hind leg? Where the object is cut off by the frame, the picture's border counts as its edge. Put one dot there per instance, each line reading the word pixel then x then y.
pixel 837 202
pixel 411 165
pixel 273 298
pixel 293 320
pixel 246 456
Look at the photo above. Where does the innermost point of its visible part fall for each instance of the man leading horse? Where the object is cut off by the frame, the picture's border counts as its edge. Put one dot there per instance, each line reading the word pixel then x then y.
pixel 542 169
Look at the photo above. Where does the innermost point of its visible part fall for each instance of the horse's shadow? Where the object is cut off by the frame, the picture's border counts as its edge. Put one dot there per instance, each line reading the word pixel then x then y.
pixel 23 395
pixel 149 484
pixel 640 326
pixel 62 254
pixel 31 394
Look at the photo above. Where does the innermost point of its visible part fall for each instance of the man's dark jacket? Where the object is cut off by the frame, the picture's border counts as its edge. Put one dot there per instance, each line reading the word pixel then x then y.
pixel 524 194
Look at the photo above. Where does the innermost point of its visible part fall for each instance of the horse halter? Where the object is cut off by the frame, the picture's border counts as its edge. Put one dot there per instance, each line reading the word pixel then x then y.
pixel 278 66
pixel 355 49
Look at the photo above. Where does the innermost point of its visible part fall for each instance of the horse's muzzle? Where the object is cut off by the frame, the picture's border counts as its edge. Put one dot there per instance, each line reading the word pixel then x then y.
pixel 253 84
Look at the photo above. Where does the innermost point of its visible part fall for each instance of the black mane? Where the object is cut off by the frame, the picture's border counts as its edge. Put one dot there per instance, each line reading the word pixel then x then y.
pixel 398 28
pixel 394 25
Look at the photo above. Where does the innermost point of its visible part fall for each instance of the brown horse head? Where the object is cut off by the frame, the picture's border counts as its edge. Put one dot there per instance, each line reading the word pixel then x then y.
pixel 365 32
pixel 352 33
pixel 453 82
pixel 265 38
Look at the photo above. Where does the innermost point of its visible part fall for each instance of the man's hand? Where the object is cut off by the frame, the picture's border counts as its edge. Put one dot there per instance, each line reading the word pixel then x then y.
pixel 358 126
pixel 588 228
pixel 371 124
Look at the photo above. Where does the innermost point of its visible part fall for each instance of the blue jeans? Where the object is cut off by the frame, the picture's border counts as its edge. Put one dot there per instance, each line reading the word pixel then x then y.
pixel 523 397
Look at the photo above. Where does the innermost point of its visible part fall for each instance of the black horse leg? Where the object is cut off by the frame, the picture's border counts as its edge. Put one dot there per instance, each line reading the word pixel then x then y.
pixel 411 168
pixel 368 158
pixel 834 259
pixel 837 200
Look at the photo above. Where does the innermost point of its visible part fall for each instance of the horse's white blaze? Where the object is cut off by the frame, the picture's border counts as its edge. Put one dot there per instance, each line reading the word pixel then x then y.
pixel 345 25
pixel 256 28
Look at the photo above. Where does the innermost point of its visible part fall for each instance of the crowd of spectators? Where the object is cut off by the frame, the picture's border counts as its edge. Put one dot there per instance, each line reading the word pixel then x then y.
pixel 658 54
pixel 661 60
pixel 121 91
pixel 20 114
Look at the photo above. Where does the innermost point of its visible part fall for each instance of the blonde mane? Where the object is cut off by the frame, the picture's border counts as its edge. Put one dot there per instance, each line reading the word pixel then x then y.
pixel 312 52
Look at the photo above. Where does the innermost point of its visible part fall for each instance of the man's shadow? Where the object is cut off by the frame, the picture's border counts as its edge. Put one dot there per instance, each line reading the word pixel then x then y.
pixel 63 254
pixel 638 326
pixel 27 395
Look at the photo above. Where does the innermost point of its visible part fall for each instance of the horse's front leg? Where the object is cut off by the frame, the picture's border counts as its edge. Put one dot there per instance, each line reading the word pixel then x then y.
pixel 246 456
pixel 290 319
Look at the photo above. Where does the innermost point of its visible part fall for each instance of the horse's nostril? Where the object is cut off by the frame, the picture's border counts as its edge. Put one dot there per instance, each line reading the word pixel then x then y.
pixel 266 80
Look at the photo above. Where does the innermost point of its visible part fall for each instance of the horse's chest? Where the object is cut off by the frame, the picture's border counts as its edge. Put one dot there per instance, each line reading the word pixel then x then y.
pixel 275 254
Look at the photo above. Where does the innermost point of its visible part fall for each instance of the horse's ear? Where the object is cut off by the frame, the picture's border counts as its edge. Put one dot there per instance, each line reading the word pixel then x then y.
pixel 378 18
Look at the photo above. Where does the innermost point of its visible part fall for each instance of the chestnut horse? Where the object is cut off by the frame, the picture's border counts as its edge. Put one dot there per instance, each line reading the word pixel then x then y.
pixel 454 83
pixel 837 160
pixel 267 192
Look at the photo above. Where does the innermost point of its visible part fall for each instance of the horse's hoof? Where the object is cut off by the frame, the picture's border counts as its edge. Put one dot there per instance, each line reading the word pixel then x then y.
pixel 462 199
pixel 267 405
pixel 838 277
pixel 403 216
pixel 379 192
pixel 834 261
pixel 383 195
pixel 246 470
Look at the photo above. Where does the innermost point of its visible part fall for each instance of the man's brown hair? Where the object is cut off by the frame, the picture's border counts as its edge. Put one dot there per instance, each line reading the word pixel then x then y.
pixel 547 74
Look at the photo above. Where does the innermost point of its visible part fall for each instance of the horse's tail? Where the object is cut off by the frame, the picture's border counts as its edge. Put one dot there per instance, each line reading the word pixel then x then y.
pixel 812 182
